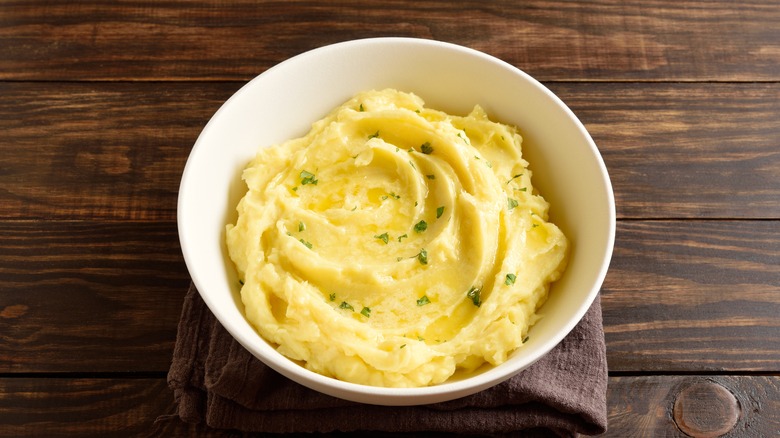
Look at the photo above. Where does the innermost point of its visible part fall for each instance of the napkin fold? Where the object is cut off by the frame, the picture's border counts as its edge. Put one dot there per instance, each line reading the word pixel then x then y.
pixel 219 383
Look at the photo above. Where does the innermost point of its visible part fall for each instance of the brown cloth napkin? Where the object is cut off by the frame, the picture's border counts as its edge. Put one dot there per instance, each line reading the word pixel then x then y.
pixel 216 381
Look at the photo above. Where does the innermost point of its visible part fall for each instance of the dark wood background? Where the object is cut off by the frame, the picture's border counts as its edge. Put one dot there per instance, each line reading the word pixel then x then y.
pixel 100 103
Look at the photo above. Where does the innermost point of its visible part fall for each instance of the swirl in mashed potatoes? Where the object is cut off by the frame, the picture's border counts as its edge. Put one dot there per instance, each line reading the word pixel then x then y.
pixel 394 245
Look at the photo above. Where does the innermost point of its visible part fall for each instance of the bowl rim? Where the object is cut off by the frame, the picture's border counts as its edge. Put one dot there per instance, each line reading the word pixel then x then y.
pixel 399 396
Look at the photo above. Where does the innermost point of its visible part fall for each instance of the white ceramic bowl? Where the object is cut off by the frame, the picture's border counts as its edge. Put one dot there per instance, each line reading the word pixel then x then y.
pixel 283 102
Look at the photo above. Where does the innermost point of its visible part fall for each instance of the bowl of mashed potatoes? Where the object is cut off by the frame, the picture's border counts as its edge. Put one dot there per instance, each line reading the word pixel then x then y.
pixel 396 221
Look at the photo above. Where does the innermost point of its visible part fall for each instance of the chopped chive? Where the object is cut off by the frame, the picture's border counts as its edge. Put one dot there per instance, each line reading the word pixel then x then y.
pixel 383 237
pixel 346 305
pixel 308 178
pixel 525 339
pixel 394 196
pixel 439 212
pixel 402 236
pixel 305 243
pixel 374 135
pixel 361 109
pixel 423 300
pixel 366 312
pixel 420 226
pixel 301 226
pixel 473 295
pixel 516 176
pixel 402 346
pixel 422 257
pixel 511 203
pixel 510 279
pixel 430 176
pixel 332 296
pixel 426 148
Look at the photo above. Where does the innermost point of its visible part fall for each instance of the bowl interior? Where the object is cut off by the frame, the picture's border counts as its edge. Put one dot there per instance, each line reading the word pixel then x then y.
pixel 283 102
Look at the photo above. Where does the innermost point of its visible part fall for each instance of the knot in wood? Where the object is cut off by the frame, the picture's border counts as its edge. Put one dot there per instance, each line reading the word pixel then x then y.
pixel 706 410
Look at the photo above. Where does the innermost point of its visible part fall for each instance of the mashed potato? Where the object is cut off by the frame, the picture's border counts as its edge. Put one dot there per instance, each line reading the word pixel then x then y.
pixel 394 245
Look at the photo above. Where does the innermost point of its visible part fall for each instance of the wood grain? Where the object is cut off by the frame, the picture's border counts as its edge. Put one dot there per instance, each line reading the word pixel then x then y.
pixel 64 407
pixel 672 150
pixel 686 150
pixel 643 406
pixel 79 151
pixel 81 296
pixel 76 407
pixel 694 296
pixel 603 40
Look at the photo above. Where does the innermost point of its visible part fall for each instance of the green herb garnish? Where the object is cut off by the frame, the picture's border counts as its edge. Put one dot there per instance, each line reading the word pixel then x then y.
pixel 439 212
pixel 374 135
pixel 511 203
pixel 366 312
pixel 346 305
pixel 301 226
pixel 525 339
pixel 402 346
pixel 430 176
pixel 332 296
pixel 308 178
pixel 510 279
pixel 420 226
pixel 516 176
pixel 305 243
pixel 394 196
pixel 426 148
pixel 422 257
pixel 473 295
pixel 402 236
pixel 423 300
pixel 383 237
pixel 361 109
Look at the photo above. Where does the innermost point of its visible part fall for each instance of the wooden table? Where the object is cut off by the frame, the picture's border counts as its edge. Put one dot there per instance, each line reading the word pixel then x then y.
pixel 100 103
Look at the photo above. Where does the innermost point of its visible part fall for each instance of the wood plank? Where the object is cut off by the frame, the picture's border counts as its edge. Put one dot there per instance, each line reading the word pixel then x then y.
pixel 672 150
pixel 84 407
pixel 81 296
pixel 645 406
pixel 685 296
pixel 694 296
pixel 605 40
pixel 71 407
pixel 685 150
pixel 72 151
